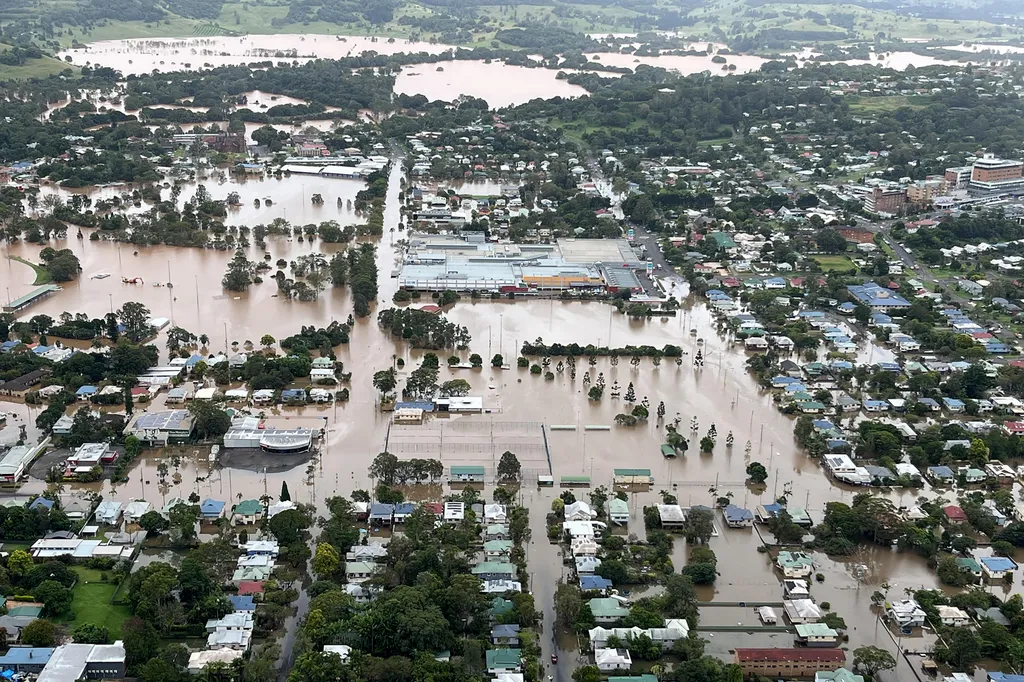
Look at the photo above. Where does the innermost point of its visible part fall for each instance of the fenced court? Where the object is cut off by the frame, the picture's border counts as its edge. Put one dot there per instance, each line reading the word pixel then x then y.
pixel 473 442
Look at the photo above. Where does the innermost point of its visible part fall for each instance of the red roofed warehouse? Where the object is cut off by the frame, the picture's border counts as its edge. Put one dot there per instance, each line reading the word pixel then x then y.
pixel 789 662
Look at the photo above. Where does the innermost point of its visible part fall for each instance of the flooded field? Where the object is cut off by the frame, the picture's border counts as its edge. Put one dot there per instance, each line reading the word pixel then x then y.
pixel 143 55
pixel 500 84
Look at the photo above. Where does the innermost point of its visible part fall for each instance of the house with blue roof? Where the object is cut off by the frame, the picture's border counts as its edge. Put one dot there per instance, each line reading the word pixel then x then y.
pixel 193 360
pixel 1003 677
pixel 403 510
pixel 941 474
pixel 879 320
pixel 242 602
pixel 8 346
pixel 26 659
pixel 783 381
pixel 382 514
pixel 930 403
pixel 838 446
pixel 846 308
pixel 775 283
pixel 875 405
pixel 878 299
pixel 954 405
pixel 85 392
pixel 41 503
pixel 823 425
pixel 293 395
pixel 594 582
pixel 997 567
pixel 738 517
pixel 211 510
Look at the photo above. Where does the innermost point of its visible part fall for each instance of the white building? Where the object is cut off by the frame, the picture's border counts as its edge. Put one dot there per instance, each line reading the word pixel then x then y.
pixel 906 613
pixel 610 660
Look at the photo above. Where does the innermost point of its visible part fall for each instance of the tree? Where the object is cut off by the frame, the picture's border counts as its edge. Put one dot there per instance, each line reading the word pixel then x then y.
pixel 700 574
pixel 88 633
pixel 497 360
pixel 509 468
pixel 568 604
pixel 587 673
pixel 288 527
pixel 476 360
pixel 56 598
pixel 153 522
pixel 240 273
pixel 19 563
pixel 699 525
pixel 385 381
pixel 326 561
pixel 757 473
pixel 680 599
pixel 962 648
pixel 210 421
pixel 41 633
pixel 141 641
pixel 830 241
pixel 183 519
pixel 194 579
pixel 135 318
pixel 285 496
pixel 872 659
pixel 455 387
pixel 385 468
pixel 267 341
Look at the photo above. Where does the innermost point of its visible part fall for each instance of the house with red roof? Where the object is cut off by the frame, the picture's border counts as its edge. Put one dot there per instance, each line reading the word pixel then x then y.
pixel 954 514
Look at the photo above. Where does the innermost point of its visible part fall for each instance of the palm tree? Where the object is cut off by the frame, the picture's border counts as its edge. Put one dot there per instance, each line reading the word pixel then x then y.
pixel 204 340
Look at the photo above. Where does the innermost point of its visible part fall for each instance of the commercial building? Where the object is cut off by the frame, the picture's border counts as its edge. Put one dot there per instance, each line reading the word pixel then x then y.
pixel 72 662
pixel 161 428
pixel 34 296
pixel 284 441
pixel 17 460
pixel 787 663
pixel 878 299
pixel 991 176
pixel 886 201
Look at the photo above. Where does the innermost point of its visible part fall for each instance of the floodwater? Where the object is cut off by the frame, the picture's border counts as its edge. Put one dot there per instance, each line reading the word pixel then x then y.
pixel 501 84
pixel 517 401
pixel 144 55
pixel 685 65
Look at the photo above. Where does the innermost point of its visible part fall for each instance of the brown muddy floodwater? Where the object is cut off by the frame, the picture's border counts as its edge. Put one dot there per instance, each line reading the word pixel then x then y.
pixel 501 84
pixel 144 55
pixel 517 404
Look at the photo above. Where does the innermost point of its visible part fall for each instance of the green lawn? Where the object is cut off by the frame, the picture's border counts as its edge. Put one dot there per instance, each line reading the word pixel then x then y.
pixel 868 105
pixel 91 602
pixel 834 262
pixel 42 274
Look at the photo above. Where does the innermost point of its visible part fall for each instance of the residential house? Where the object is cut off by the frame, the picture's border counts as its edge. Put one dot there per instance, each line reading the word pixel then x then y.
pixel 505 635
pixel 951 615
pixel 247 512
pixel 954 514
pixel 906 613
pixel 494 570
pixel 579 511
pixel 495 513
pixel 595 583
pixel 133 511
pixel 211 510
pixel 609 660
pixel 801 611
pixel 997 567
pixel 969 565
pixel 837 675
pixel 738 517
pixel 359 571
pixel 607 610
pixel 618 511
pixel 454 512
pixel 816 635
pixel 671 516
pixel 108 512
pixel 795 564
pixel 381 514
pixel 503 661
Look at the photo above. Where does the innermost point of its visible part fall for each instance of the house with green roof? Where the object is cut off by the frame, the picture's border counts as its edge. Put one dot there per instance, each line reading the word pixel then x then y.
pixel 618 511
pixel 500 606
pixel 607 610
pixel 968 564
pixel 633 678
pixel 816 634
pixel 497 548
pixel 247 512
pixel 494 570
pixel 723 240
pixel 467 474
pixel 838 675
pixel 504 661
pixel 795 564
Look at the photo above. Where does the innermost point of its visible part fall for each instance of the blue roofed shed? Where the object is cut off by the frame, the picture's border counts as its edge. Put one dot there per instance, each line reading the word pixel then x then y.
pixel 25 659
pixel 242 602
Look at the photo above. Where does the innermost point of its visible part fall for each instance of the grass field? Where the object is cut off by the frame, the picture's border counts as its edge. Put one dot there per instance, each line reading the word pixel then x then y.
pixel 42 274
pixel 871 105
pixel 91 602
pixel 840 263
